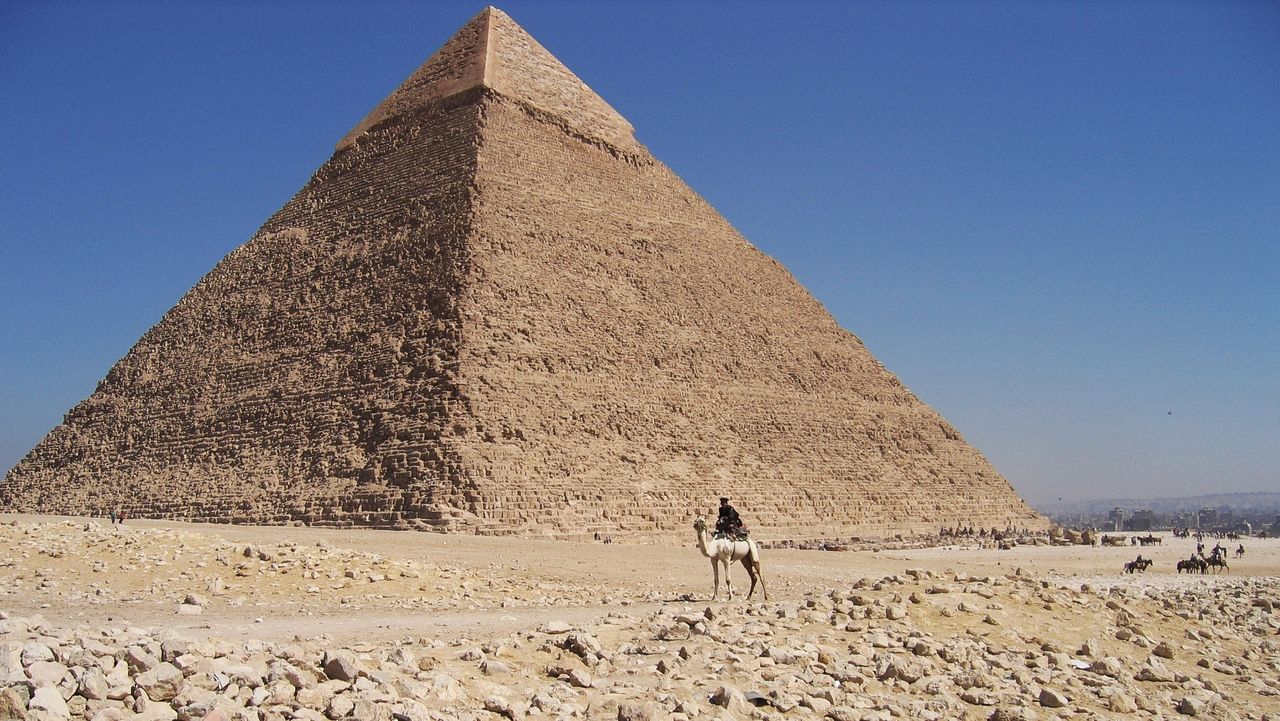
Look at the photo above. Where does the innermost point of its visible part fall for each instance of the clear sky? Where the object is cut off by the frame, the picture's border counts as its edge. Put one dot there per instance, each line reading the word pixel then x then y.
pixel 1057 222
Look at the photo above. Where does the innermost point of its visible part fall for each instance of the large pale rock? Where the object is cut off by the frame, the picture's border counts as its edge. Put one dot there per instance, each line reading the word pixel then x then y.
pixel 1013 713
pixel 582 643
pixel 1050 698
pixel 35 651
pixel 1192 706
pixel 1122 703
pixel 503 707
pixel 340 665
pixel 1154 671
pixel 340 706
pixel 889 667
pixel 93 684
pixel 172 648
pixel 160 683
pixel 634 712
pixel 445 688
pixel 1108 666
pixel 49 700
pixel 139 659
pixel 556 627
pixel 47 673
pixel 731 699
pixel 11 668
pixel 579 678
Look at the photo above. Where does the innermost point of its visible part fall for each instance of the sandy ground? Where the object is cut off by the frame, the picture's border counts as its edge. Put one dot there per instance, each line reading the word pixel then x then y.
pixel 369 586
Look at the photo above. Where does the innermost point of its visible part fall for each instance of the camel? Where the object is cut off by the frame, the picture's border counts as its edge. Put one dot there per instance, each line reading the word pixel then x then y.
pixel 724 552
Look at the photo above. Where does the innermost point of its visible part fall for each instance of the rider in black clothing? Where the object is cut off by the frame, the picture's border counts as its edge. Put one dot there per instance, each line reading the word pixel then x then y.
pixel 728 522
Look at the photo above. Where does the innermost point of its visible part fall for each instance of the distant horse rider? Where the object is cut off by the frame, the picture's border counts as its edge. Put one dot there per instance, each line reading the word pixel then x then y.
pixel 728 523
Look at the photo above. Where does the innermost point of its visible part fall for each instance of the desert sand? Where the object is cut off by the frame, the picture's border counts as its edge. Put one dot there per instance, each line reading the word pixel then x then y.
pixel 168 620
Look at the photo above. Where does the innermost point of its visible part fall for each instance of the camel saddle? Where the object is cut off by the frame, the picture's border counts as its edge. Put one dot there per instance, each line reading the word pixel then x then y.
pixel 739 535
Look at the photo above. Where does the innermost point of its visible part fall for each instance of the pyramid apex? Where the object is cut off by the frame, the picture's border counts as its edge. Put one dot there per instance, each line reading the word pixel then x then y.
pixel 491 50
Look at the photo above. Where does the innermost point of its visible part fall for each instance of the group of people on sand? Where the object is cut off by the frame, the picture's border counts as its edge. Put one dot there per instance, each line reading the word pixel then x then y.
pixel 1217 557
pixel 1218 552
pixel 118 516
pixel 969 532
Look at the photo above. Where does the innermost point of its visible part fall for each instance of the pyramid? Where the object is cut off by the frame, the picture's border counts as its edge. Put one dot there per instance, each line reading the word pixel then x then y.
pixel 494 311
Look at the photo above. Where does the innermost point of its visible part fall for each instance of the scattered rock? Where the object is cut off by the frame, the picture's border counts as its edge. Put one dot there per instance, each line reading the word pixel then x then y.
pixel 340 665
pixel 1191 706
pixel 1053 699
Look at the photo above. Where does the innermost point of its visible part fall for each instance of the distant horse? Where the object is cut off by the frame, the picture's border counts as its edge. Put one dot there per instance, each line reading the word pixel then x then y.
pixel 1218 563
pixel 1240 551
pixel 1149 539
pixel 1137 565
pixel 1192 565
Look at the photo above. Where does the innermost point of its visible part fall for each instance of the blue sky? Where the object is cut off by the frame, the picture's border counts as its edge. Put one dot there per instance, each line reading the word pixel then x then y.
pixel 1056 222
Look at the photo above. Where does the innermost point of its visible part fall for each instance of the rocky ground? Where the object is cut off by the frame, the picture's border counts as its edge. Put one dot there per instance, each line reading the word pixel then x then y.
pixel 185 621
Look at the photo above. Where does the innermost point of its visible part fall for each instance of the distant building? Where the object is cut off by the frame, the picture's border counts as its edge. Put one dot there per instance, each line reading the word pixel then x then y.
pixel 1115 519
pixel 1143 519
pixel 1207 517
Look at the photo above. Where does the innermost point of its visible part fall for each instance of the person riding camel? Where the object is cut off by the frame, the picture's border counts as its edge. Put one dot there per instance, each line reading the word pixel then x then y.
pixel 728 523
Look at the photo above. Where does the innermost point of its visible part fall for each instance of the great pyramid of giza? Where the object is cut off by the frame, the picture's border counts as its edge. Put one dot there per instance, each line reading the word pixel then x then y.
pixel 493 311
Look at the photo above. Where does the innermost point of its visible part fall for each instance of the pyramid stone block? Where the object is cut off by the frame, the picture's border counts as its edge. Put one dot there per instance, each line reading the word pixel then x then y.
pixel 493 311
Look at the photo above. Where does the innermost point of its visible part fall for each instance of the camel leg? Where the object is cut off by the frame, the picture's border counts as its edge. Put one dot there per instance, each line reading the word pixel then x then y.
pixel 715 579
pixel 751 574
pixel 751 562
pixel 760 575
pixel 728 582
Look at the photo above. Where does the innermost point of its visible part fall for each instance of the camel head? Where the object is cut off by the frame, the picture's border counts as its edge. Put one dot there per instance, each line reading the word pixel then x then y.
pixel 700 524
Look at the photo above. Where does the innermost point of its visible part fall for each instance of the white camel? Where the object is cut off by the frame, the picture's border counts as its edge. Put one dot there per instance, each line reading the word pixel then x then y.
pixel 723 551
